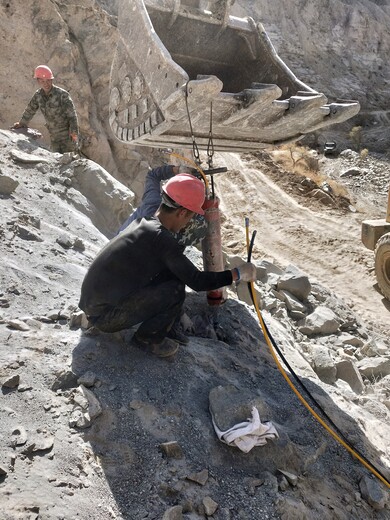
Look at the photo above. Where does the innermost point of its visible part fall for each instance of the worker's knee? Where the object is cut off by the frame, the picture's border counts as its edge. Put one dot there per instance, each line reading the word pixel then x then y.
pixel 178 292
pixel 167 295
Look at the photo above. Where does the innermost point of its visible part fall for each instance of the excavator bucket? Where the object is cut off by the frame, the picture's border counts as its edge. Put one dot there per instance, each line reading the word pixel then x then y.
pixel 186 71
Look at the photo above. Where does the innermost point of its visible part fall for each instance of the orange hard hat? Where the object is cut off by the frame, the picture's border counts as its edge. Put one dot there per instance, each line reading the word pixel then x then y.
pixel 43 72
pixel 187 191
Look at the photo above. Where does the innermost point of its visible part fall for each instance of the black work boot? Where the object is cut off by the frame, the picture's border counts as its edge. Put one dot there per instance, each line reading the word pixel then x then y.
pixel 166 348
pixel 177 335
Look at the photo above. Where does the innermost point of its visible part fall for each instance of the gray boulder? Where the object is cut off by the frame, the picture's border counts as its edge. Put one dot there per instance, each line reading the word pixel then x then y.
pixel 322 321
pixel 323 365
pixel 374 367
pixel 296 282
pixel 348 371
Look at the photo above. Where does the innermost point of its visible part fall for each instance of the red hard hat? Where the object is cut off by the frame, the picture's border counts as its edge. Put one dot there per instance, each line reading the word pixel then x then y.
pixel 187 191
pixel 43 72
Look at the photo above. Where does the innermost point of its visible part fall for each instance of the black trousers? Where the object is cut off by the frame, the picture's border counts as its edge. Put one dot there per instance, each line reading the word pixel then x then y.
pixel 155 306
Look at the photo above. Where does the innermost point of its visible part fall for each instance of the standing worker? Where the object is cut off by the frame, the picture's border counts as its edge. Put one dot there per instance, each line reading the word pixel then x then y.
pixel 141 274
pixel 58 110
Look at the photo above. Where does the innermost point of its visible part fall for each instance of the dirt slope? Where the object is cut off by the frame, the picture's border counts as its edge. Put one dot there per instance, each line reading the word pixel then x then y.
pixel 321 240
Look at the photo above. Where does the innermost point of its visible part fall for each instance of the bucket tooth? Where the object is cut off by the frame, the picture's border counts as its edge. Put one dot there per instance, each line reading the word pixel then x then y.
pixel 335 113
pixel 306 103
pixel 252 101
pixel 303 111
pixel 196 98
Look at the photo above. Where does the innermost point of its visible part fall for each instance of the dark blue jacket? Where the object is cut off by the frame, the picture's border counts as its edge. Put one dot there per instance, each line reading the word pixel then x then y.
pixel 152 195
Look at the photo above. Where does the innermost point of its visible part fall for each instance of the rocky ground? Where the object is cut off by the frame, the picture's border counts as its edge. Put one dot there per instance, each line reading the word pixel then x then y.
pixel 92 428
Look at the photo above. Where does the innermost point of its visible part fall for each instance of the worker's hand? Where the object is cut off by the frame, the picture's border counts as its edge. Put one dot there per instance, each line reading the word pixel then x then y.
pixel 185 169
pixel 75 138
pixel 18 124
pixel 245 272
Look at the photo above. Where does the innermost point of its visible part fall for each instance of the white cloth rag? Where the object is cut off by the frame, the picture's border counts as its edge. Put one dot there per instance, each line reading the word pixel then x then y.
pixel 247 434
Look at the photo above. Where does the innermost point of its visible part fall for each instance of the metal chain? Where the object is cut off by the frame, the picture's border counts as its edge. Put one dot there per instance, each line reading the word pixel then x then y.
pixel 195 149
pixel 210 144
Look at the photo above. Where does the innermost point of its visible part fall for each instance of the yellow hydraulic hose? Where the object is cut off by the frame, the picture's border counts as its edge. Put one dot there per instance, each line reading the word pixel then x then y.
pixel 300 397
pixel 196 166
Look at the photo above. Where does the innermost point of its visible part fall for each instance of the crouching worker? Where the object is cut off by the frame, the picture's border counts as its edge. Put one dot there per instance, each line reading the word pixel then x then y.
pixel 141 274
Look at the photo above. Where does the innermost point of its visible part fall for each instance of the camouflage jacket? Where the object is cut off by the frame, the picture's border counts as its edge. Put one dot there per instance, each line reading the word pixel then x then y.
pixel 58 110
pixel 196 229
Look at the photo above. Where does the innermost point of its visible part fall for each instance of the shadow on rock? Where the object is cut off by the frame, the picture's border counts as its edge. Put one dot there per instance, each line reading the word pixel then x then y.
pixel 157 447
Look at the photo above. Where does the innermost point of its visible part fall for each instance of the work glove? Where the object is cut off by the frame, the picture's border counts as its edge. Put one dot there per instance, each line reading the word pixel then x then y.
pixel 75 139
pixel 188 169
pixel 18 124
pixel 246 272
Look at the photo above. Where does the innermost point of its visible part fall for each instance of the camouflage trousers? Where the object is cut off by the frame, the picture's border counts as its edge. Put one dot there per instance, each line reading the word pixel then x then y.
pixel 194 232
pixel 62 144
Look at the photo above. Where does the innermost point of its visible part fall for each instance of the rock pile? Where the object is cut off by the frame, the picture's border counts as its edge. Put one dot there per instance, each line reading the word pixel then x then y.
pixel 332 341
